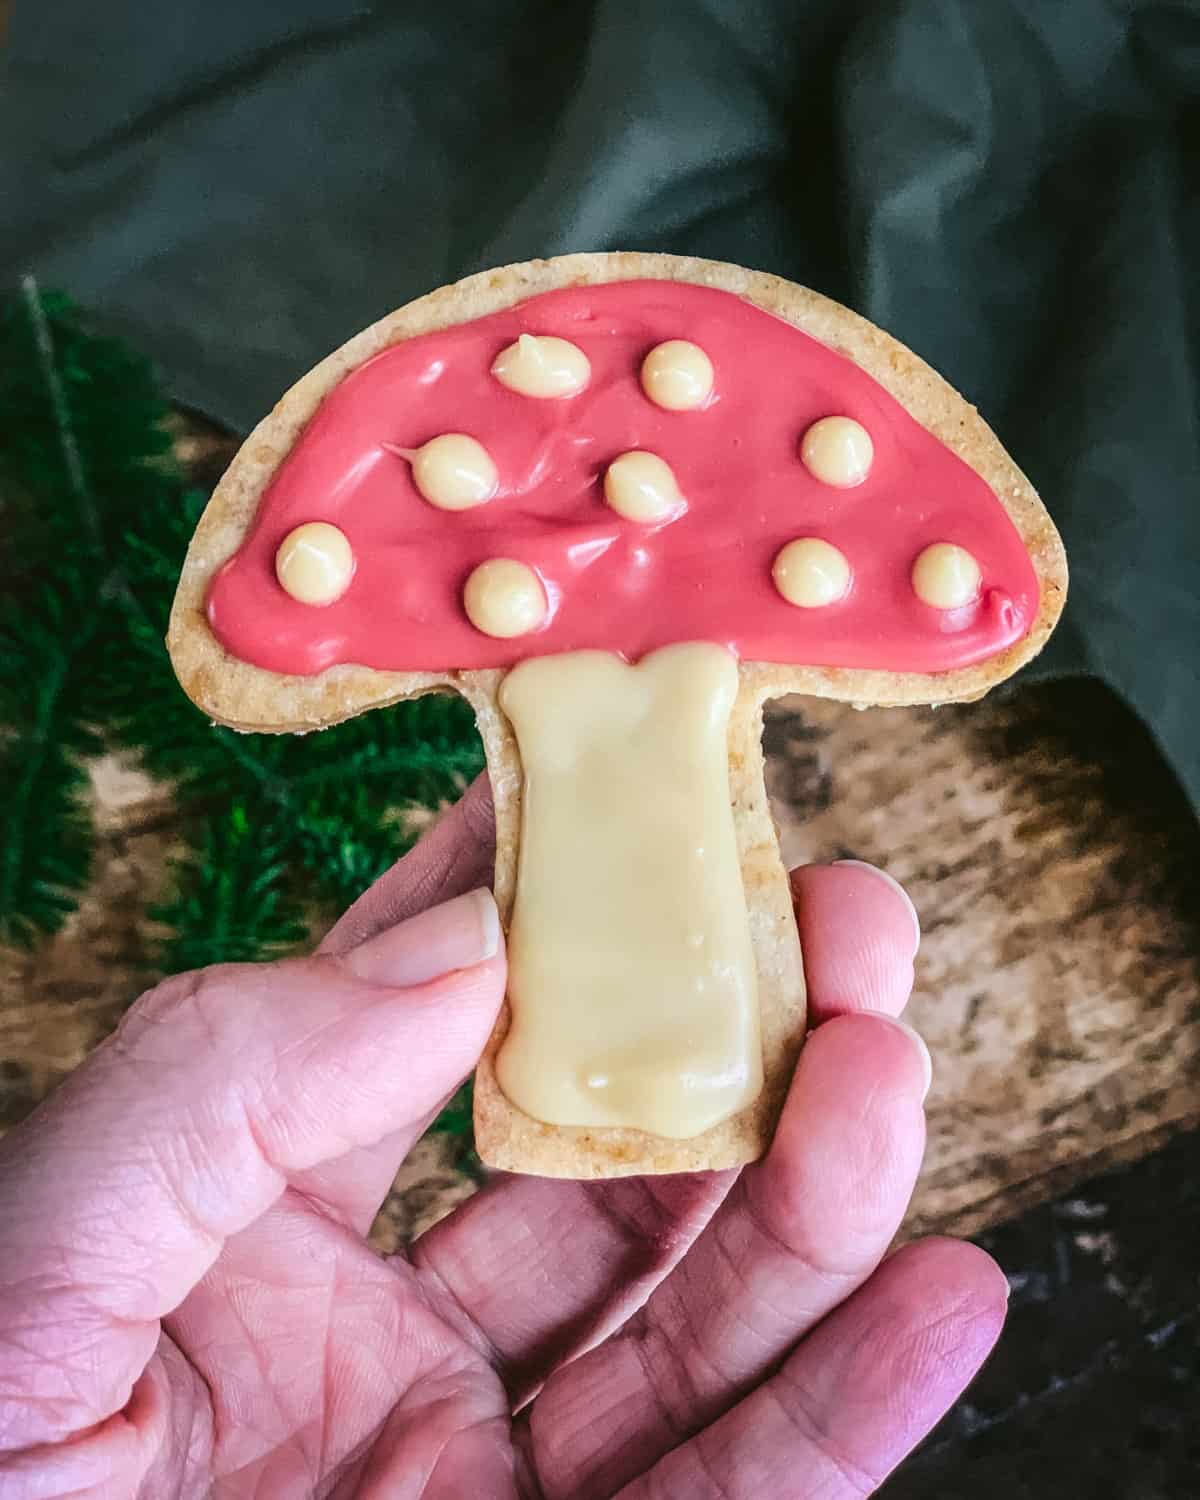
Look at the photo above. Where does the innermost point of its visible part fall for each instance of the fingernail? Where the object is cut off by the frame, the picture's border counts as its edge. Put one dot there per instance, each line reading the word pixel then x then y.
pixel 918 1042
pixel 456 935
pixel 861 864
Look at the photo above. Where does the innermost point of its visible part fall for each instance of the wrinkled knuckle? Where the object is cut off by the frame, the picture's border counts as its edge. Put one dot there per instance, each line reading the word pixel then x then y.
pixel 201 997
pixel 787 1227
pixel 212 994
pixel 667 1379
pixel 678 1365
pixel 717 1483
pixel 156 1004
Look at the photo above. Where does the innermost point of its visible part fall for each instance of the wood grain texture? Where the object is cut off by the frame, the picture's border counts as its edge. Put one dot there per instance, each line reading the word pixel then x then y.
pixel 1050 854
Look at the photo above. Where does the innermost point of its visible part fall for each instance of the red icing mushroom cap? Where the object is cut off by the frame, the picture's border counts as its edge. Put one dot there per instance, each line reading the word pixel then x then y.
pixel 701 572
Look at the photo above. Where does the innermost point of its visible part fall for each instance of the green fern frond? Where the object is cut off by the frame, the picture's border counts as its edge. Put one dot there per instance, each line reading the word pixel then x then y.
pixel 97 512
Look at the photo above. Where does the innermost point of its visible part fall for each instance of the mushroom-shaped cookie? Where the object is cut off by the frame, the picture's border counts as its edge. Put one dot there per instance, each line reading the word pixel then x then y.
pixel 619 501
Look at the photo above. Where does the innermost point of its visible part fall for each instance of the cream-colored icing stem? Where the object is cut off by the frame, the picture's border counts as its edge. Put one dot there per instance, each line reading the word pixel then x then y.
pixel 631 972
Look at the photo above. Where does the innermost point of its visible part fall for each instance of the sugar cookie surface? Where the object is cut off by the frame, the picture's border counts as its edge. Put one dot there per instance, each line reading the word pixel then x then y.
pixel 251 658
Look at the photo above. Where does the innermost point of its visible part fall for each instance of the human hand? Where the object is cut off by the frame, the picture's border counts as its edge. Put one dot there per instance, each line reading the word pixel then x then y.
pixel 188 1307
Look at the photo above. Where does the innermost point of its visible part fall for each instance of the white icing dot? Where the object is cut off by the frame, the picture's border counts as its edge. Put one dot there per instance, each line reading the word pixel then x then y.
pixel 454 472
pixel 642 487
pixel 838 451
pixel 677 376
pixel 946 576
pixel 543 366
pixel 811 573
pixel 504 598
pixel 314 563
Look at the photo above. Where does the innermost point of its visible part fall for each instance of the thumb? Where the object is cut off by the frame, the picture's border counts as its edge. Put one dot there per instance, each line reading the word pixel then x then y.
pixel 217 1089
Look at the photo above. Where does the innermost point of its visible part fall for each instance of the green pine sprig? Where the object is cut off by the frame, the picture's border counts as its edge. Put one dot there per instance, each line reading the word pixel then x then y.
pixel 96 515
pixel 46 852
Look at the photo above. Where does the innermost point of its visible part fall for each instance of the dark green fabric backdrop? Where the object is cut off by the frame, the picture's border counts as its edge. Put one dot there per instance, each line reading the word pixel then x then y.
pixel 1010 186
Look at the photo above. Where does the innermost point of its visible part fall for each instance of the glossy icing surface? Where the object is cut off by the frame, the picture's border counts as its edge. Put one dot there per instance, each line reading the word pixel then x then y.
pixel 631 970
pixel 612 583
